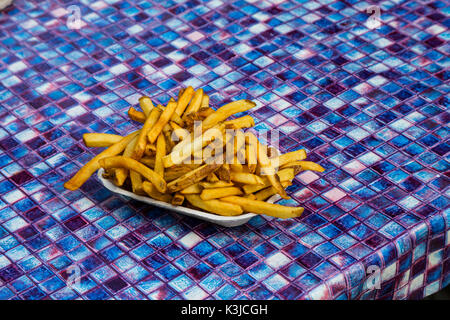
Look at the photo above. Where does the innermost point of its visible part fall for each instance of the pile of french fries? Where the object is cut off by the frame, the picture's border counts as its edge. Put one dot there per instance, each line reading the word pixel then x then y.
pixel 187 153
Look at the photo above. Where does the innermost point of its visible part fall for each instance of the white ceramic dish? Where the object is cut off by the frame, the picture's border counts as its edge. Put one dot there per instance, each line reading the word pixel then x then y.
pixel 220 220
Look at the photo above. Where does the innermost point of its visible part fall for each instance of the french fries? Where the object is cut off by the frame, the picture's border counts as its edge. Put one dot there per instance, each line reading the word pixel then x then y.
pixel 245 178
pixel 208 194
pixel 215 167
pixel 120 174
pixel 305 165
pixel 160 153
pixel 215 206
pixel 193 189
pixel 261 207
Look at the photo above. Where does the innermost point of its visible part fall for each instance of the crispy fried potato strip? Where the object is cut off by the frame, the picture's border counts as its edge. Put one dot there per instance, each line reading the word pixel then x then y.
pixel 100 140
pixel 142 139
pixel 305 165
pixel 218 184
pixel 183 100
pixel 193 189
pixel 93 165
pixel 136 115
pixel 162 121
pixel 246 178
pixel 208 194
pixel 160 153
pixel 261 207
pixel 195 103
pixel 146 105
pixel 240 123
pixel 120 174
pixel 214 206
pixel 227 110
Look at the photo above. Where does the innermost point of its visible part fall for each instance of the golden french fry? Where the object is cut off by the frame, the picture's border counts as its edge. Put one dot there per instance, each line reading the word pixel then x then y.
pixel 193 189
pixel 136 115
pixel 100 139
pixel 163 119
pixel 251 151
pixel 239 123
pixel 205 101
pixel 180 93
pixel 186 148
pixel 160 153
pixel 214 206
pixel 120 174
pixel 146 128
pixel 146 105
pixel 93 165
pixel 261 207
pixel 195 103
pixel 131 164
pixel 208 194
pixel 250 196
pixel 287 174
pixel 227 110
pixel 183 100
pixel 178 199
pixel 305 165
pixel 297 155
pixel 191 177
pixel 136 182
pixel 213 185
pixel 245 178
pixel 269 171
pixel 150 190
pixel 269 191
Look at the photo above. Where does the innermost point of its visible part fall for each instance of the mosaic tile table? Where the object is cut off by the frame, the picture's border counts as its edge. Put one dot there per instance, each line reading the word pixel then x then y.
pixel 368 104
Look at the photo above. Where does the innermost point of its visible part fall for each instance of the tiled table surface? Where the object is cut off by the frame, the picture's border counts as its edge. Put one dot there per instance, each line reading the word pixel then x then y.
pixel 368 104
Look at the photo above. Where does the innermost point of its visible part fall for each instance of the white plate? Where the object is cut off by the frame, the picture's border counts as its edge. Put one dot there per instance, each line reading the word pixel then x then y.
pixel 221 220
